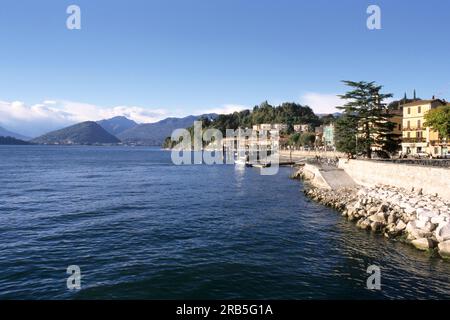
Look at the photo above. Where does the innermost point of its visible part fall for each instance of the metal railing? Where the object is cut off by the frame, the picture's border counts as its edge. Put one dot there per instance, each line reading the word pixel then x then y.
pixel 414 140
pixel 413 128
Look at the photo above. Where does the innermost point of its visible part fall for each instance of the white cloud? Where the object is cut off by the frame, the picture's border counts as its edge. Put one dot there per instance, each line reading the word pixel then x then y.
pixel 50 115
pixel 322 103
pixel 225 109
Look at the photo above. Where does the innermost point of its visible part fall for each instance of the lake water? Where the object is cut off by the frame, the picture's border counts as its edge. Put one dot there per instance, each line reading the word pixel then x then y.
pixel 140 227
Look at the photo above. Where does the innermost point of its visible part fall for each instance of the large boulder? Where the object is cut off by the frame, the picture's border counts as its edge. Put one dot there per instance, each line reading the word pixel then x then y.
pixel 400 225
pixel 409 210
pixel 420 223
pixel 378 217
pixel 415 232
pixel 363 223
pixel 426 215
pixel 423 244
pixel 444 249
pixel 411 226
pixel 443 232
pixel 439 219
pixel 377 226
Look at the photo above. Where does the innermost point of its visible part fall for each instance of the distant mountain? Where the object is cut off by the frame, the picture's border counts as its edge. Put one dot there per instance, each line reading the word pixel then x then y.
pixel 7 133
pixel 88 132
pixel 117 125
pixel 153 134
pixel 12 141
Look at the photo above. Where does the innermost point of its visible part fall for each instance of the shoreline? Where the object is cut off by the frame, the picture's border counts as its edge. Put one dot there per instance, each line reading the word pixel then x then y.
pixel 409 216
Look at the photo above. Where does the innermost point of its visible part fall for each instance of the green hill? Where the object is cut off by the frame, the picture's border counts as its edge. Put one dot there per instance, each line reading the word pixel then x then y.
pixel 88 132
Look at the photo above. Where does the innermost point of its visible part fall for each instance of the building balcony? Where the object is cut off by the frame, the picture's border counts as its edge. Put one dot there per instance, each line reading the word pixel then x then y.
pixel 413 129
pixel 438 142
pixel 414 140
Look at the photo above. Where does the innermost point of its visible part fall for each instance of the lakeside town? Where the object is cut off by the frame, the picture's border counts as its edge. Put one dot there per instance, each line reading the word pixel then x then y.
pixel 416 139
pixel 385 168
pixel 413 138
pixel 368 128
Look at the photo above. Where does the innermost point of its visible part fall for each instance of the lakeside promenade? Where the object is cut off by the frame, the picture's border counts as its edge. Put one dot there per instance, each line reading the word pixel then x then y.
pixel 298 155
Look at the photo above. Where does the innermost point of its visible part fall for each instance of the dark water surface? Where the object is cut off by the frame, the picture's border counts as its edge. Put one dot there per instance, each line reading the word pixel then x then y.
pixel 140 227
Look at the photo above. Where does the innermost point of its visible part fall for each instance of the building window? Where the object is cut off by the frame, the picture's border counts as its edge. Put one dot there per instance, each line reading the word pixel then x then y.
pixel 419 109
pixel 409 134
pixel 409 110
pixel 399 126
pixel 409 124
pixel 418 123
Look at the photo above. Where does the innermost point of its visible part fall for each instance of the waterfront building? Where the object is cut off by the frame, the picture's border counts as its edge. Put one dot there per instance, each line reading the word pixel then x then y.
pixel 280 127
pixel 267 127
pixel 302 128
pixel 319 135
pixel 328 135
pixel 417 139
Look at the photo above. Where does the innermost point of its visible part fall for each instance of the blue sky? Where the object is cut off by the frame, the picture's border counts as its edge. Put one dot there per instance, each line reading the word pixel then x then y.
pixel 181 57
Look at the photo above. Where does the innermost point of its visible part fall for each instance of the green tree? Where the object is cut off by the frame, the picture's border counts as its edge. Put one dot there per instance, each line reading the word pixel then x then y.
pixel 307 139
pixel 346 134
pixel 365 103
pixel 294 140
pixel 439 119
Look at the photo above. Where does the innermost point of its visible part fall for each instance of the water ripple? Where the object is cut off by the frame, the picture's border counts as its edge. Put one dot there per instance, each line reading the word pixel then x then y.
pixel 140 227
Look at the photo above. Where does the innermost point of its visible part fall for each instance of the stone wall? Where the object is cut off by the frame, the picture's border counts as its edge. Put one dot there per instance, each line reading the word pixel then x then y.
pixel 431 180
pixel 443 163
pixel 299 155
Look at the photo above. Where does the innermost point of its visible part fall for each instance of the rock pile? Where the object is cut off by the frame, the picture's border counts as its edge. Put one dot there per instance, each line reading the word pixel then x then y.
pixel 422 220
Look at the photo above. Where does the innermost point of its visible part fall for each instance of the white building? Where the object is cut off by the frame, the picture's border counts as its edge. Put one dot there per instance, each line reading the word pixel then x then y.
pixel 280 127
pixel 302 128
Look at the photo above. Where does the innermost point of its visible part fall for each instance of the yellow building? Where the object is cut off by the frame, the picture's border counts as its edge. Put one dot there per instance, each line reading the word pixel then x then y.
pixel 417 139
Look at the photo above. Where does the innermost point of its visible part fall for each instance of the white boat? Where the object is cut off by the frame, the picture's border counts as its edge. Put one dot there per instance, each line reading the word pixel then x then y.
pixel 241 161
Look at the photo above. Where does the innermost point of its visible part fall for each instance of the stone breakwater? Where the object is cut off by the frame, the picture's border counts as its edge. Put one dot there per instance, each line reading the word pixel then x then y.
pixel 408 215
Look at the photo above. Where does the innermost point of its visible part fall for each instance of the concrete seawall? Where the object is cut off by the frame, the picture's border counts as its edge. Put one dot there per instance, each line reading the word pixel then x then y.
pixel 314 176
pixel 431 180
pixel 326 177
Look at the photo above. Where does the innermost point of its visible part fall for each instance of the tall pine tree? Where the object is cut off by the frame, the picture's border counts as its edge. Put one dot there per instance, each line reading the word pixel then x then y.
pixel 370 117
pixel 346 135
